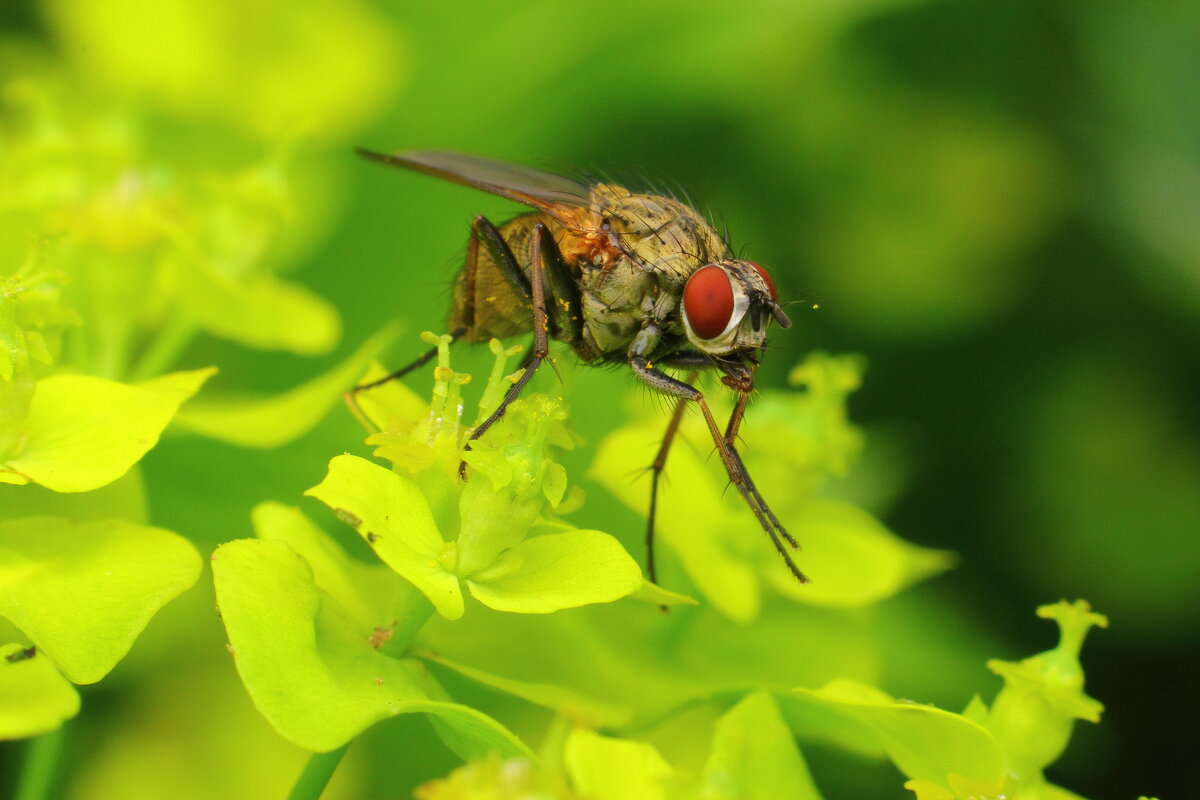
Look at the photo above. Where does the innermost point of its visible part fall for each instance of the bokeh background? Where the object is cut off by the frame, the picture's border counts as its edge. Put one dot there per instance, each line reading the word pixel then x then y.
pixel 997 204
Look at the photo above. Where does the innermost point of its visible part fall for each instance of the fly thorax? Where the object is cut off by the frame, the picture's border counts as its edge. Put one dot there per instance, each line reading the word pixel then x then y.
pixel 663 233
pixel 612 303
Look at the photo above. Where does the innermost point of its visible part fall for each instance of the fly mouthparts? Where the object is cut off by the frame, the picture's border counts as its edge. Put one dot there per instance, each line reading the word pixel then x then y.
pixel 756 317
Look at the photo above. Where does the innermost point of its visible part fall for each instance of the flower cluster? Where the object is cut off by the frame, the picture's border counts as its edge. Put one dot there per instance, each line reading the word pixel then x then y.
pixel 114 258
pixel 345 629
pixel 981 754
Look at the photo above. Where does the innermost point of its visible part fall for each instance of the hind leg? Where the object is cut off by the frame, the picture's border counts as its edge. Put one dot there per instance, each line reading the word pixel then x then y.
pixel 484 233
pixel 542 250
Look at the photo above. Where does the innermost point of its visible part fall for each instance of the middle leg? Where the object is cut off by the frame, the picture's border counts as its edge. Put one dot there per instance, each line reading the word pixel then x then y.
pixel 487 235
pixel 656 471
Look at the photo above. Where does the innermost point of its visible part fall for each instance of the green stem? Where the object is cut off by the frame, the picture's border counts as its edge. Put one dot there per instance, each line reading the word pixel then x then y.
pixel 40 773
pixel 165 350
pixel 408 624
pixel 317 772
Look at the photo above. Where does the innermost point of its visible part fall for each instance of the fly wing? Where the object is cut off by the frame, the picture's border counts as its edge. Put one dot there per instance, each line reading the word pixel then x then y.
pixel 542 190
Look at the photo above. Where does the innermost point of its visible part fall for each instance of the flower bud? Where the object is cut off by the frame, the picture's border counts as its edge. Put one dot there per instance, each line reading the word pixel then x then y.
pixel 1043 695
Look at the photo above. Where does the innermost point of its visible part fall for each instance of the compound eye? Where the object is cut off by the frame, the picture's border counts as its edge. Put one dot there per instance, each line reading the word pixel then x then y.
pixel 766 279
pixel 708 301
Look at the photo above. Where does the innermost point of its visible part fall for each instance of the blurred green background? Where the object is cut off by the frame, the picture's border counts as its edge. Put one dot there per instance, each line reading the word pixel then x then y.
pixel 997 204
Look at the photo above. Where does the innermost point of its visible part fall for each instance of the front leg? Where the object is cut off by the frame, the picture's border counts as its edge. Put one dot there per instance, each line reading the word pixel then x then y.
pixel 653 377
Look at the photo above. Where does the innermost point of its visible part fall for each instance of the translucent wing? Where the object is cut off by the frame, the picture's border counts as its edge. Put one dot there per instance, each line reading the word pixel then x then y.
pixel 542 190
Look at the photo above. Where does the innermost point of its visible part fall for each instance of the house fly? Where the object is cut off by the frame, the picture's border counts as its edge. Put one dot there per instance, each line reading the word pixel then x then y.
pixel 620 276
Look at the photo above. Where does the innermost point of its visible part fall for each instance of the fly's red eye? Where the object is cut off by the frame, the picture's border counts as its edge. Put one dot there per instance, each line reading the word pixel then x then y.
pixel 708 301
pixel 766 279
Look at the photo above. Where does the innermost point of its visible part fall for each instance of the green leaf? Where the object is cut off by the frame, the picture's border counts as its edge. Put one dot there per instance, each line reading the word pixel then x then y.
pixel 814 428
pixel 603 768
pixel 573 706
pixel 389 511
pixel 852 558
pixel 316 679
pixel 84 432
pixel 273 421
pixel 263 312
pixel 471 733
pixel 564 570
pixel 84 591
pixel 124 498
pixel 34 696
pixel 829 723
pixel 212 64
pixel 754 757
pixel 692 517
pixel 1049 791
pixel 294 647
pixel 929 790
pixel 362 589
pixel 924 742
pixel 657 595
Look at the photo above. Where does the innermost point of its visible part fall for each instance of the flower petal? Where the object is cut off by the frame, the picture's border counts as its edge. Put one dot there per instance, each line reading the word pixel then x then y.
pixel 924 742
pixel 576 707
pixel 263 312
pixel 273 421
pixel 84 432
pixel 605 768
pixel 564 570
pixel 34 696
pixel 84 591
pixel 754 756
pixel 389 511
pixel 707 535
pixel 368 592
pixel 309 671
pixel 852 558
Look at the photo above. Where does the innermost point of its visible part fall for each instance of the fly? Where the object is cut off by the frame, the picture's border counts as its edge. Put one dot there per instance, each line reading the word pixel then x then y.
pixel 635 278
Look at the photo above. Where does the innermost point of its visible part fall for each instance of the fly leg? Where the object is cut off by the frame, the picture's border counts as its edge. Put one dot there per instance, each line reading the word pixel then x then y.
pixel 734 468
pixel 566 305
pixel 730 438
pixel 735 418
pixel 420 361
pixel 351 397
pixel 687 359
pixel 542 249
pixel 482 232
pixel 740 378
pixel 656 470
